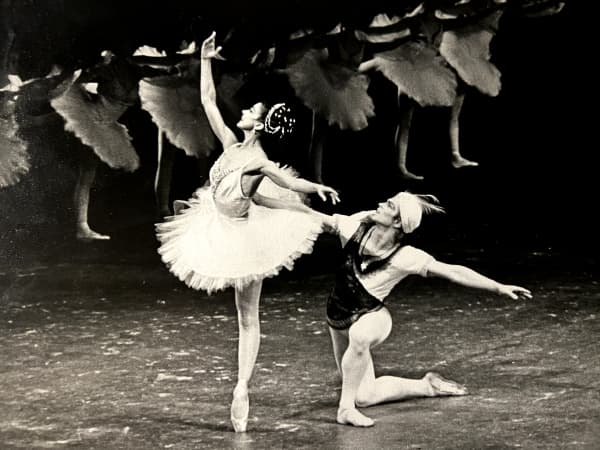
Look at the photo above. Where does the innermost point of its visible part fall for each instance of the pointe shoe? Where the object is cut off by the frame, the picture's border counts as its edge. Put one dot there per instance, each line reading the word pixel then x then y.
pixel 443 387
pixel 240 406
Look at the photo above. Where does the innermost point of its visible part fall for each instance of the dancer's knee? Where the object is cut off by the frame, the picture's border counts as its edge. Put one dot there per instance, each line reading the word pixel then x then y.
pixel 372 328
pixel 365 396
pixel 359 343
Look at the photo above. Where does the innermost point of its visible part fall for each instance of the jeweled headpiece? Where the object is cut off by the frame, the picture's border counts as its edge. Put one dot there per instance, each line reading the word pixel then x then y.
pixel 279 120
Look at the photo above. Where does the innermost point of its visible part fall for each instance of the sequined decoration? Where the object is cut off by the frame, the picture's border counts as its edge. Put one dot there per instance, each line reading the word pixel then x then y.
pixel 279 120
pixel 217 174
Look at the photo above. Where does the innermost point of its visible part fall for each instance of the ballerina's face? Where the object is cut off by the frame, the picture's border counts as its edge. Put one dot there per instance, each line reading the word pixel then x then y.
pixel 252 117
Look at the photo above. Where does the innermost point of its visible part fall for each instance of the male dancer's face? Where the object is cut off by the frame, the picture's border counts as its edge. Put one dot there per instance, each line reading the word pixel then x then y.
pixel 387 214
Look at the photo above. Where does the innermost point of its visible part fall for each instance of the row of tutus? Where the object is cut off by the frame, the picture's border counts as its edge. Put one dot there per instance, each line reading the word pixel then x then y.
pixel 426 51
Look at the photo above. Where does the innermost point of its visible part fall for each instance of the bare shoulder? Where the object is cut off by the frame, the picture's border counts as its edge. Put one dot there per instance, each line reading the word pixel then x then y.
pixel 258 162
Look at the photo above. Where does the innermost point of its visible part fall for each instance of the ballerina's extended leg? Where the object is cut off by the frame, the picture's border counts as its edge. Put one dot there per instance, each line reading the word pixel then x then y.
pixel 87 174
pixel 402 136
pixel 164 174
pixel 457 159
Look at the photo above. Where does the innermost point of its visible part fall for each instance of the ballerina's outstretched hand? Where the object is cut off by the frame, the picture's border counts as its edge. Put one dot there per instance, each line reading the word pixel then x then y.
pixel 209 49
pixel 325 191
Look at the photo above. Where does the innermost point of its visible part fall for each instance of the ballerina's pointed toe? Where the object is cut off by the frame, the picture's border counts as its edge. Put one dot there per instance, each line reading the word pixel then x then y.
pixel 240 407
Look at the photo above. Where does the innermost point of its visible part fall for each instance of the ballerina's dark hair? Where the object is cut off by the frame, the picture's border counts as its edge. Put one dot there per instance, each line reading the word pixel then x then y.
pixel 279 121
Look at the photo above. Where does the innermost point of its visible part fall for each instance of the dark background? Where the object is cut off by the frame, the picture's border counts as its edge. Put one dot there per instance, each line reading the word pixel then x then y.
pixel 534 191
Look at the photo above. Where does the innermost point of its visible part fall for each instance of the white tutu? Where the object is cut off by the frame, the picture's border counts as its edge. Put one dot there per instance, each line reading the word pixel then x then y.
pixel 14 156
pixel 419 72
pixel 467 50
pixel 336 92
pixel 94 122
pixel 210 251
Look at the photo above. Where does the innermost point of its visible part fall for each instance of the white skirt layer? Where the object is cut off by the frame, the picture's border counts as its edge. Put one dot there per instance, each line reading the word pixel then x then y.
pixel 210 251
pixel 14 156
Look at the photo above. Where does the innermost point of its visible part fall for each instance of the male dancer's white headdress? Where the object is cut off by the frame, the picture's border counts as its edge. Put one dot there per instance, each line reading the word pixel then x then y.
pixel 412 207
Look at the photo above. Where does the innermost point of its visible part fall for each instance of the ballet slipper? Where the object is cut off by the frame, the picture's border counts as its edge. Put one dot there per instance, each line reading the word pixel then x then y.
pixel 240 406
pixel 352 416
pixel 443 387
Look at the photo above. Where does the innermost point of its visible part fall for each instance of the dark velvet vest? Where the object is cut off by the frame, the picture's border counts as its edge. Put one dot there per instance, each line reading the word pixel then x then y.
pixel 349 299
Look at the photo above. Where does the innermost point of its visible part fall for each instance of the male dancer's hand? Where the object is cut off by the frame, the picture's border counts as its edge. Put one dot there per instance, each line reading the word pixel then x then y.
pixel 514 292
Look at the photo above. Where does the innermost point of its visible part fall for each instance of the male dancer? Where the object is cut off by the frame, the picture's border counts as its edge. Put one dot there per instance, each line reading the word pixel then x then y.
pixel 375 262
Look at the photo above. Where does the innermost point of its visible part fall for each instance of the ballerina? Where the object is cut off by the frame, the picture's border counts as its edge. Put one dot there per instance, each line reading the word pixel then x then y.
pixel 433 67
pixel 466 48
pixel 231 235
pixel 327 81
pixel 91 108
pixel 25 110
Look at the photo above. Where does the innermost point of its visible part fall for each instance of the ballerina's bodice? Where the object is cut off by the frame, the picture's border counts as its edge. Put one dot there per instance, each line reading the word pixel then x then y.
pixel 226 187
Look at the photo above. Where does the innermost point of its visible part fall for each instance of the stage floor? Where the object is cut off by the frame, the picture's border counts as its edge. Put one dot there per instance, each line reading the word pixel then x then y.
pixel 106 350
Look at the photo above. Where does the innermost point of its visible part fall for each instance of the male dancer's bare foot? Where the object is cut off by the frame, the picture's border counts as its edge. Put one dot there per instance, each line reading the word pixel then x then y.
pixel 459 161
pixel 240 406
pixel 442 387
pixel 409 175
pixel 85 233
pixel 352 416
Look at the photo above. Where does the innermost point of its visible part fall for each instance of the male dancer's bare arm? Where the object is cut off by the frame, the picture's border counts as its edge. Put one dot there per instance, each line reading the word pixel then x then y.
pixel 468 277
